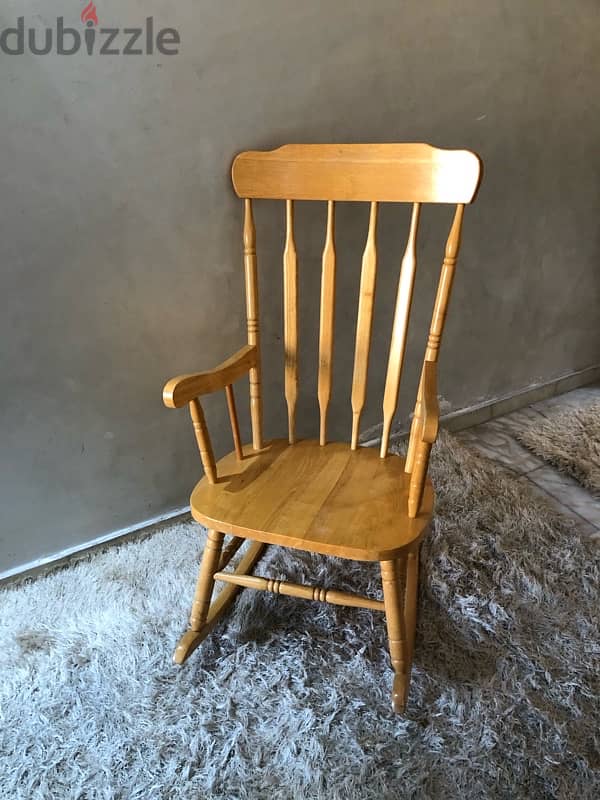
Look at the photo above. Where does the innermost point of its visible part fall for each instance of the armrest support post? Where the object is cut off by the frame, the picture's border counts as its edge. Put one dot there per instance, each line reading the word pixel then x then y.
pixel 233 418
pixel 430 405
pixel 423 434
pixel 203 440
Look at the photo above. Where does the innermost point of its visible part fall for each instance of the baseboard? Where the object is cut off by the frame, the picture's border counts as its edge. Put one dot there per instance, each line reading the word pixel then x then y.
pixel 41 566
pixel 453 421
pixel 477 413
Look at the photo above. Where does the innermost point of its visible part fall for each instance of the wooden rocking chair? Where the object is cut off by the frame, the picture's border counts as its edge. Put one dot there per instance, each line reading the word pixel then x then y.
pixel 328 497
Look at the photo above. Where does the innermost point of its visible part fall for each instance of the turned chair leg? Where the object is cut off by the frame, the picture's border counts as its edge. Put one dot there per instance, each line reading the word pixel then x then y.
pixel 410 603
pixel 394 580
pixel 202 596
pixel 205 584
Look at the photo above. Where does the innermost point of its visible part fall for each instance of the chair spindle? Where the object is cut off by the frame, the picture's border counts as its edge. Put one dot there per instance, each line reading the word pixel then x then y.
pixel 305 591
pixel 364 325
pixel 252 315
pixel 327 321
pixel 203 440
pixel 400 328
pixel 290 320
pixel 233 418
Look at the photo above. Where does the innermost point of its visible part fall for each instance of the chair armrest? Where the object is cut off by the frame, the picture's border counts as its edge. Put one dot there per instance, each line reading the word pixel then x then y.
pixel 180 390
pixel 430 406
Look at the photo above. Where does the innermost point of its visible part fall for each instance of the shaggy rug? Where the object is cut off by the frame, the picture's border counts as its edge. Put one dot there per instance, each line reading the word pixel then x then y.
pixel 570 440
pixel 291 699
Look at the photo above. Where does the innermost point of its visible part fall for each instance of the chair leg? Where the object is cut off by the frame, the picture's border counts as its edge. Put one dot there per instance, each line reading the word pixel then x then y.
pixel 205 583
pixel 202 596
pixel 393 576
pixel 410 603
pixel 206 615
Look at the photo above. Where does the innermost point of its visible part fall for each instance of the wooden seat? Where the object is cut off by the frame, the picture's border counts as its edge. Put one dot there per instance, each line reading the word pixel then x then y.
pixel 330 500
pixel 327 497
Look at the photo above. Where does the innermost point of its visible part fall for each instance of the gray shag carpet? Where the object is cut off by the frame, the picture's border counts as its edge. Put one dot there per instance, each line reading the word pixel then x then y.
pixel 570 440
pixel 291 699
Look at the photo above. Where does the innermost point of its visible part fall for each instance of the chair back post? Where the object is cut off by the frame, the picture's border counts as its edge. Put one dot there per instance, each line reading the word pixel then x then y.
pixel 252 317
pixel 419 448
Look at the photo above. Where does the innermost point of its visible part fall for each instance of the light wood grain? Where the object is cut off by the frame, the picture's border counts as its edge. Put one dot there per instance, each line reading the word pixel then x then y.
pixel 327 322
pixel 425 423
pixel 252 318
pixel 393 578
pixel 205 584
pixel 180 390
pixel 233 419
pixel 303 591
pixel 442 297
pixel 400 329
pixel 430 409
pixel 417 477
pixel 290 320
pixel 424 434
pixel 329 500
pixel 410 602
pixel 191 639
pixel 364 325
pixel 415 428
pixel 228 552
pixel 399 173
pixel 203 441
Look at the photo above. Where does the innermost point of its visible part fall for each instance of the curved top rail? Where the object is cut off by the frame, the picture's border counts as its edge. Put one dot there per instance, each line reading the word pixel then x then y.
pixel 401 173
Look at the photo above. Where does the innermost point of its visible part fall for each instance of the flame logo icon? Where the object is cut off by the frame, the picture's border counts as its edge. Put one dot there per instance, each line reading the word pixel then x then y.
pixel 89 15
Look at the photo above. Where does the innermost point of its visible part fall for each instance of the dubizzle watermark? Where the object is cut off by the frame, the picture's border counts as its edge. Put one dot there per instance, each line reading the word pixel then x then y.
pixel 93 40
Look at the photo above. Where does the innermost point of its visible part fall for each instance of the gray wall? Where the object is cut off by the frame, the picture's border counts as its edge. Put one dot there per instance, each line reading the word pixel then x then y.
pixel 120 252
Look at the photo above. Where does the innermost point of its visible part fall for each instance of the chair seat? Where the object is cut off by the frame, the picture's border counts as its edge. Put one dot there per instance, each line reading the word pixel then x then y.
pixel 326 499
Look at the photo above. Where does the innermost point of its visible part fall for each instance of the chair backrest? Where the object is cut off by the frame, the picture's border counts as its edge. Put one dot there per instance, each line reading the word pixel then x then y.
pixel 373 173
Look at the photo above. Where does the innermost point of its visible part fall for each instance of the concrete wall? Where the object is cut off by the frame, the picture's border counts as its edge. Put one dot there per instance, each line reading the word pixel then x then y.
pixel 120 255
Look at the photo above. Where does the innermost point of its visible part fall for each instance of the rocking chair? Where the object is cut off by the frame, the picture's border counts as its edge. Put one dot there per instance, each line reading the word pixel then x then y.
pixel 316 495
